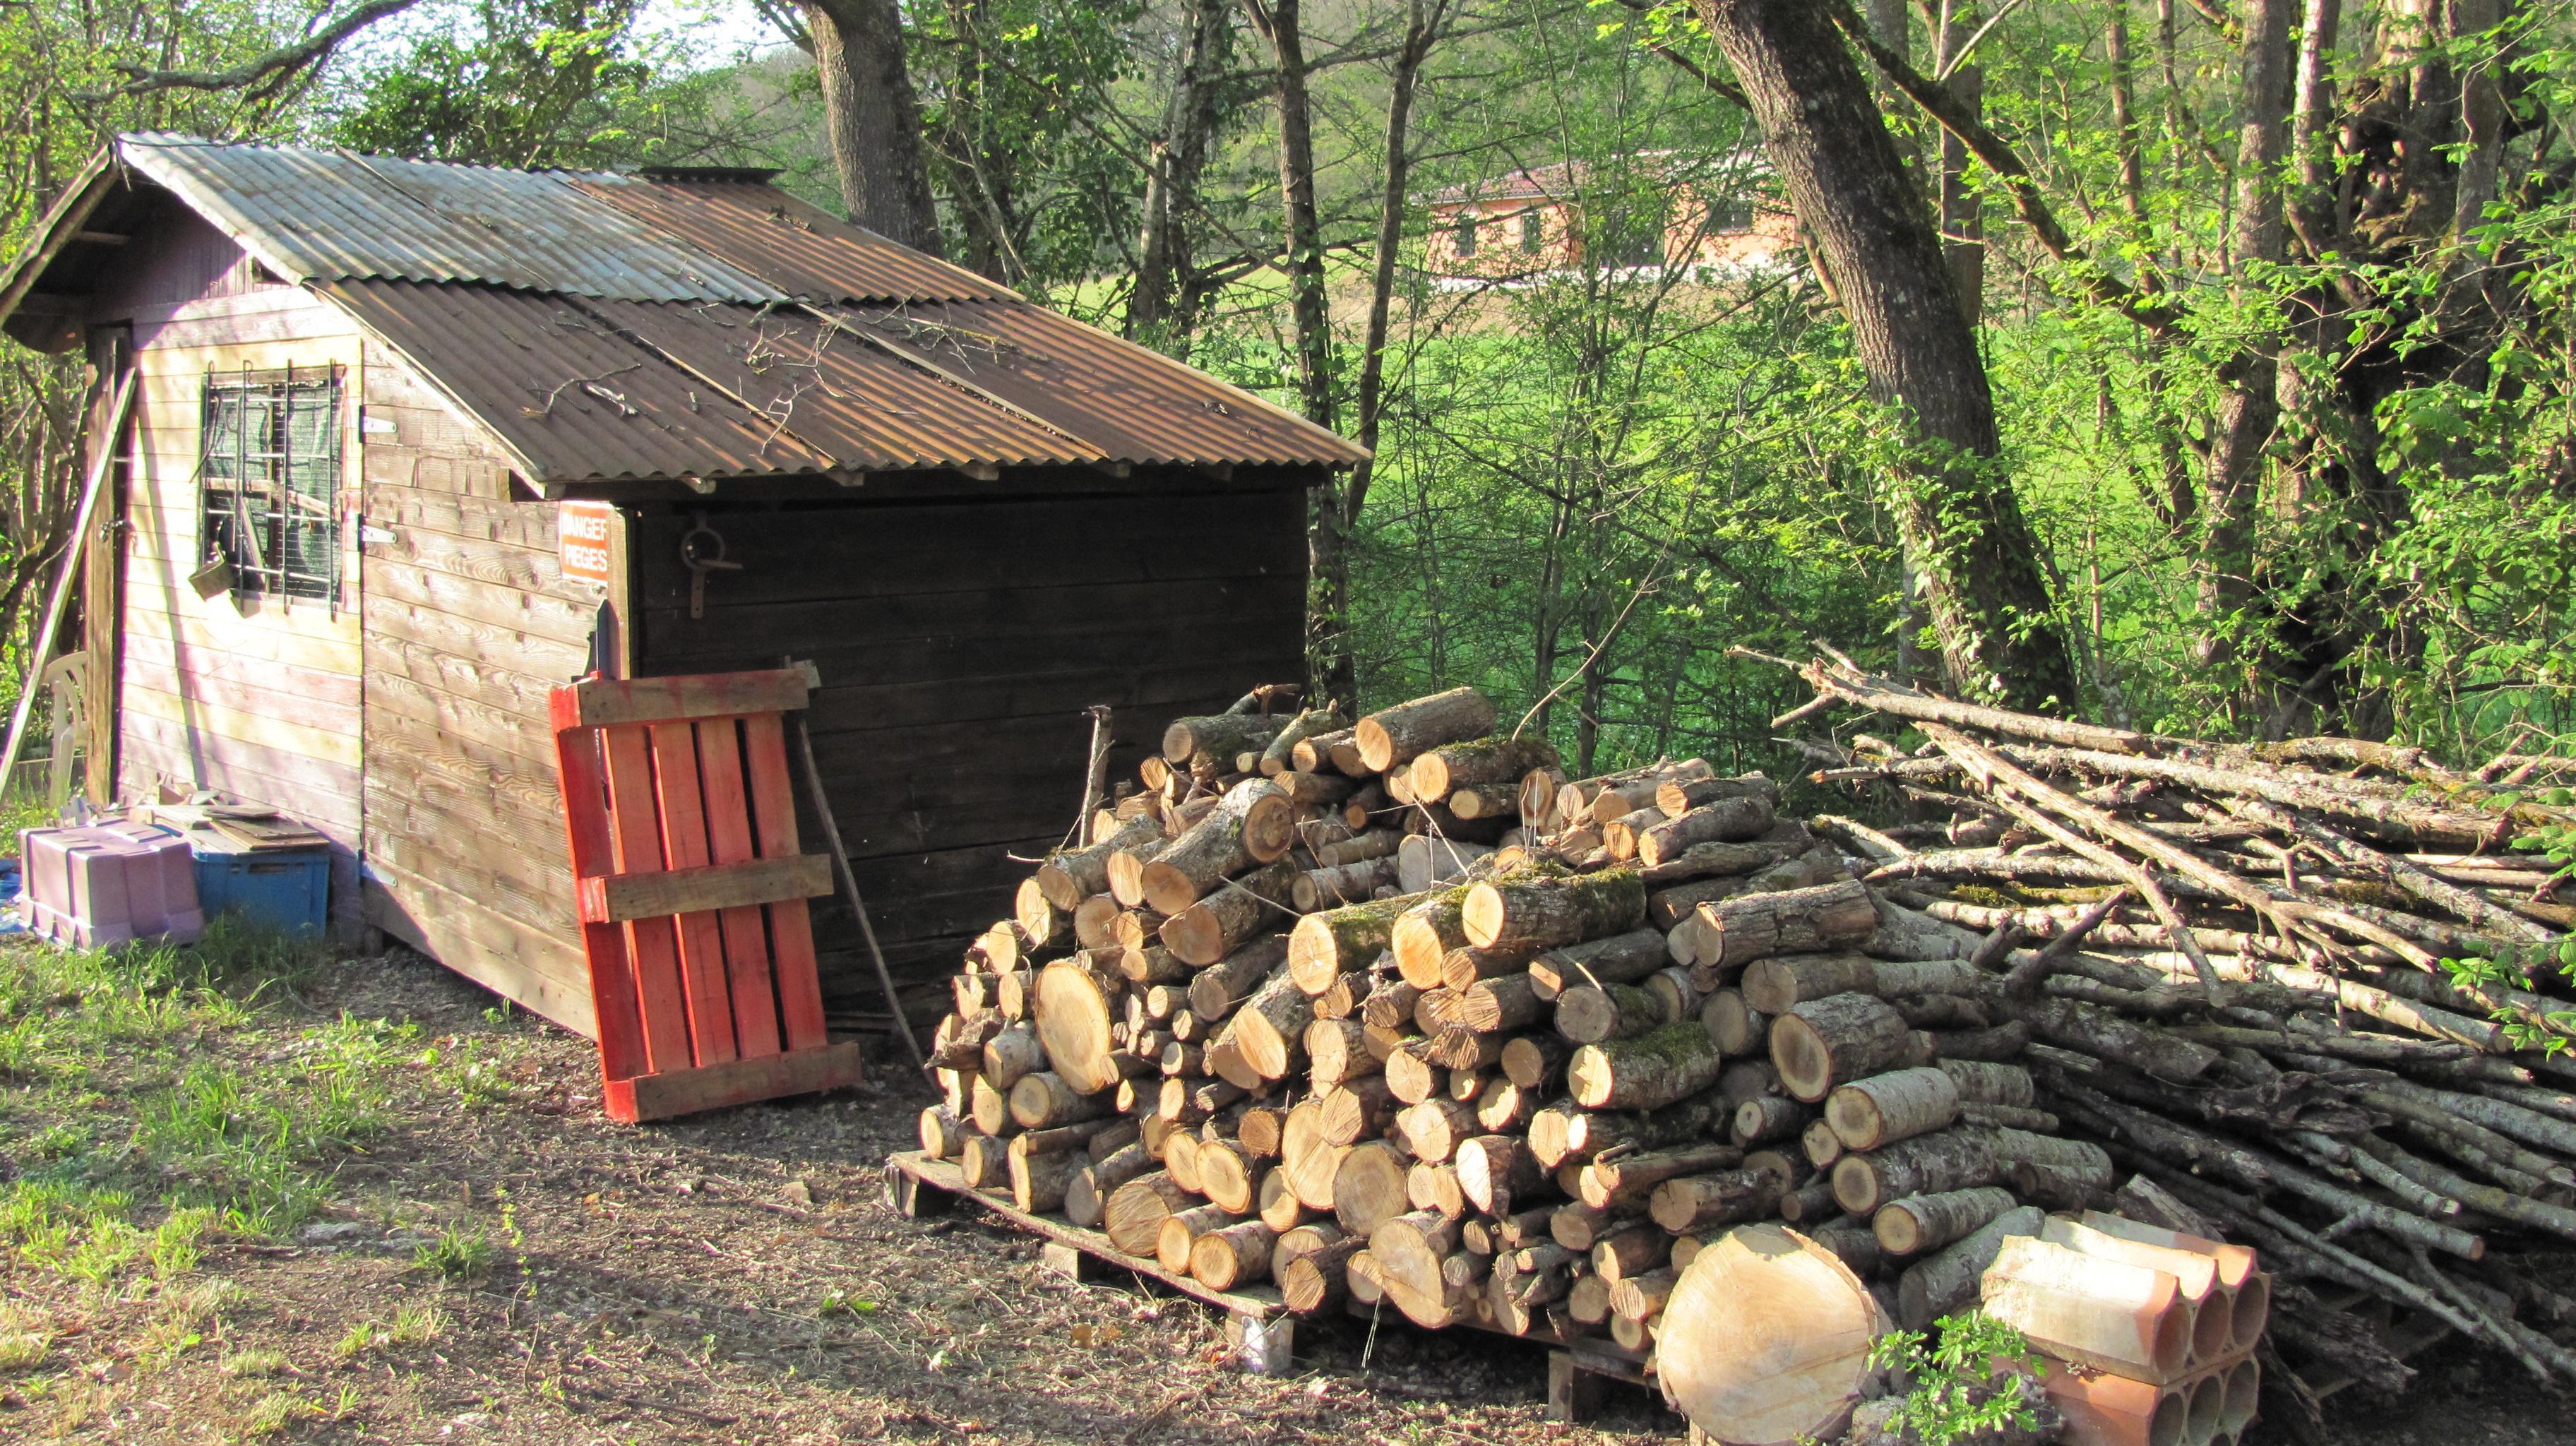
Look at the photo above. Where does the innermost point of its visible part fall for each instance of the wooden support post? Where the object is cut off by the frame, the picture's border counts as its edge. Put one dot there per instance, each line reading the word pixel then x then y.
pixel 1070 1262
pixel 907 1196
pixel 1573 1393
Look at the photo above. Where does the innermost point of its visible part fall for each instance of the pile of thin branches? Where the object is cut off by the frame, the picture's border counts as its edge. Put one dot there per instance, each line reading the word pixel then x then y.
pixel 2321 990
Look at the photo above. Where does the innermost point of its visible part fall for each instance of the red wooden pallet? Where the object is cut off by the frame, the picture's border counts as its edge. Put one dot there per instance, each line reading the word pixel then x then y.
pixel 692 891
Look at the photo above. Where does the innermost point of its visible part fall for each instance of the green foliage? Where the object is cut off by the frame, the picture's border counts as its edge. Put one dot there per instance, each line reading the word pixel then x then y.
pixel 526 83
pixel 456 1254
pixel 1978 1378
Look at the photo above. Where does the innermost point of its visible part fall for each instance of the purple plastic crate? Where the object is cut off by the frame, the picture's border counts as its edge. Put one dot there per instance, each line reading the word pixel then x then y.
pixel 106 884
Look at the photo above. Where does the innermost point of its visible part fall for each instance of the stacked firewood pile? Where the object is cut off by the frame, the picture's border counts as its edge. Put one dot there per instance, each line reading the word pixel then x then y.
pixel 2307 990
pixel 1396 1012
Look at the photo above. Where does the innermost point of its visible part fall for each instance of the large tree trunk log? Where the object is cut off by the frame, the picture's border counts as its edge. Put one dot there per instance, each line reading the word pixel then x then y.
pixel 1070 877
pixel 1678 796
pixel 1038 1181
pixel 1237 1255
pixel 1871 1113
pixel 1562 1133
pixel 1046 1099
pixel 1010 1054
pixel 1925 1165
pixel 1539 914
pixel 1767 1339
pixel 1408 730
pixel 1444 770
pixel 1323 947
pixel 1136 1212
pixel 1730 820
pixel 1731 933
pixel 1076 1009
pixel 1765 1118
pixel 1181 1232
pixel 1645 1073
pixel 1314 1280
pixel 1253 823
pixel 1919 1223
pixel 1217 989
pixel 1360 1110
pixel 1818 1045
pixel 1334 886
pixel 1623 1183
pixel 1499 1174
pixel 1127 871
pixel 1369 1186
pixel 1306 1158
pixel 1412 1252
pixel 1207 931
pixel 1220 737
pixel 1721 860
pixel 1714 1200
pixel 1738 1027
pixel 1536 1061
pixel 1433 1129
pixel 1268 1032
pixel 1618 959
pixel 1776 985
pixel 1492 1006
pixel 1423 936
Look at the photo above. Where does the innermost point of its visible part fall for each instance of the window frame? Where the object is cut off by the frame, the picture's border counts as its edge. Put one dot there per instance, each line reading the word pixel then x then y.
pixel 287 397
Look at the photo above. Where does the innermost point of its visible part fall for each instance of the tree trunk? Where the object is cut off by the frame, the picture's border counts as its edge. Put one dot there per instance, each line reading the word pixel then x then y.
pixel 2249 408
pixel 1547 913
pixel 1180 156
pixel 1818 1045
pixel 1712 1201
pixel 871 120
pixel 1646 1073
pixel 1925 1165
pixel 1919 1223
pixel 1868 1114
pixel 1979 559
pixel 1767 1338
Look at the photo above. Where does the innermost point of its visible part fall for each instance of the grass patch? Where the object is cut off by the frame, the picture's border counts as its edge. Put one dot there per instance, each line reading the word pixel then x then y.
pixel 456 1254
pixel 141 1136
pixel 256 1364
pixel 25 1336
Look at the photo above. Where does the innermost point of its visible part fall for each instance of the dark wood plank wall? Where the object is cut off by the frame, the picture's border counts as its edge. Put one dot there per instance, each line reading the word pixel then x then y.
pixel 958 644
pixel 469 623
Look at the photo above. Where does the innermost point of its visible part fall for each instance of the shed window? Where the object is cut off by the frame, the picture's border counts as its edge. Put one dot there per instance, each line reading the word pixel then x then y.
pixel 270 481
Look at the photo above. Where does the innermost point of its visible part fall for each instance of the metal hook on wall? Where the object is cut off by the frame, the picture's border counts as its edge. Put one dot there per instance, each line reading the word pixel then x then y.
pixel 702 551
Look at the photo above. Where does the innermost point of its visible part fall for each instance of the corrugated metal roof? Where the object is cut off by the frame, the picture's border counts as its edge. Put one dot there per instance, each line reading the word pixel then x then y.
pixel 610 327
pixel 789 244
pixel 564 391
pixel 861 405
pixel 338 216
pixel 1136 405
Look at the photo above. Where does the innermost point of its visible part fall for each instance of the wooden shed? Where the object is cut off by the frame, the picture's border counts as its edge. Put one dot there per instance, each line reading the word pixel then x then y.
pixel 414 442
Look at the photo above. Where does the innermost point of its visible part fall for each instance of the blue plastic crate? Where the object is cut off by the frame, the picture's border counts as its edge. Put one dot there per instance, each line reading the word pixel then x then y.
pixel 284 889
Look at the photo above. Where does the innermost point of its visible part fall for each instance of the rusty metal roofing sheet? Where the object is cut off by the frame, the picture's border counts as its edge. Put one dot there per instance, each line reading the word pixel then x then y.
pixel 860 404
pixel 1136 405
pixel 564 390
pixel 789 244
pixel 316 215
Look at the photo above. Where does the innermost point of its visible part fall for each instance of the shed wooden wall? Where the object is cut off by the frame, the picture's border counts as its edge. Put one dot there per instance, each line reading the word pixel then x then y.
pixel 469 622
pixel 958 644
pixel 261 702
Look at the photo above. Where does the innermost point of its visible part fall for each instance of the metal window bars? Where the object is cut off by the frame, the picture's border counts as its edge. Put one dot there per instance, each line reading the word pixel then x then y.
pixel 269 480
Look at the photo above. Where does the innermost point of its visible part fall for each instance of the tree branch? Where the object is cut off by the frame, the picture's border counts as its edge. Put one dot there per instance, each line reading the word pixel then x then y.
pixel 274 68
pixel 1998 156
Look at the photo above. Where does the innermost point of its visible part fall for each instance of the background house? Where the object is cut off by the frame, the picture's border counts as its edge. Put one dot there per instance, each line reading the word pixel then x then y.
pixel 1533 222
pixel 454 435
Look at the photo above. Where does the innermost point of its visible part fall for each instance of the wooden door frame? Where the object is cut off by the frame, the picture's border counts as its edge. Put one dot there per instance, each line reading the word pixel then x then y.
pixel 111 351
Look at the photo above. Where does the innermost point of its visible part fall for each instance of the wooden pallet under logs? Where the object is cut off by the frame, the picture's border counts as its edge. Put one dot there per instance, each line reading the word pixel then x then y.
pixel 1258 1323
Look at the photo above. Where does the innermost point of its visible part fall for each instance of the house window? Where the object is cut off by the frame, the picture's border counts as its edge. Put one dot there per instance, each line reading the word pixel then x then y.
pixel 1533 231
pixel 1730 214
pixel 1466 233
pixel 269 484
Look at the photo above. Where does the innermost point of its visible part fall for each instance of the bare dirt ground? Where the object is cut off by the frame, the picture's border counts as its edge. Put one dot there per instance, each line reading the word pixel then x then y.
pixel 494 1261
